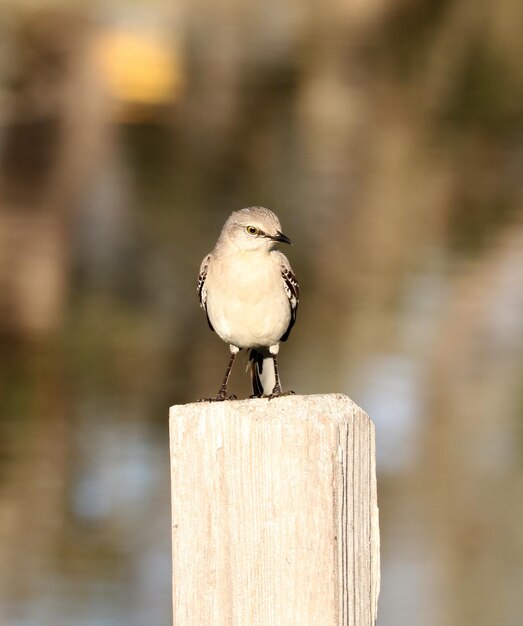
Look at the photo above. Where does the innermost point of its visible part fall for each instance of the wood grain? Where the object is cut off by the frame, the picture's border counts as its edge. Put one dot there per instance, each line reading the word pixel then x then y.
pixel 274 513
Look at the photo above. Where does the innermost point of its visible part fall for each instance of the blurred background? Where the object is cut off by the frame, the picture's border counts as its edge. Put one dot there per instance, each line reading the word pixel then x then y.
pixel 388 137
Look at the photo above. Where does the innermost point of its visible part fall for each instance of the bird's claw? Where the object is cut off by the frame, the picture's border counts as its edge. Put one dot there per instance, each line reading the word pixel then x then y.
pixel 221 397
pixel 278 393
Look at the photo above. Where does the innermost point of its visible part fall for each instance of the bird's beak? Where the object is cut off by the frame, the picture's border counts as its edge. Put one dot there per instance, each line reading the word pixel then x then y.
pixel 281 238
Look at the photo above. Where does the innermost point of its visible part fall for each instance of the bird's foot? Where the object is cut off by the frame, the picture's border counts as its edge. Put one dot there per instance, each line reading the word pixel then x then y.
pixel 221 397
pixel 278 393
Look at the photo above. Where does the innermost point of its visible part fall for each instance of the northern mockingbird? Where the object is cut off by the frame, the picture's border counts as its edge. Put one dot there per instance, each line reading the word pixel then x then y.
pixel 250 295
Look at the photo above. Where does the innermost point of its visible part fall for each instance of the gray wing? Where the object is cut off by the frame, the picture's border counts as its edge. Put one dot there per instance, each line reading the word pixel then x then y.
pixel 202 291
pixel 292 289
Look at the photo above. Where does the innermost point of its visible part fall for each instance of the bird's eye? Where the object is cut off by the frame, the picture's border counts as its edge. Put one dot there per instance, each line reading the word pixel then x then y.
pixel 252 230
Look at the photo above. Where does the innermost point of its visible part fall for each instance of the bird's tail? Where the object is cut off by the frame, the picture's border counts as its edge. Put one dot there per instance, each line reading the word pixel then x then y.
pixel 262 372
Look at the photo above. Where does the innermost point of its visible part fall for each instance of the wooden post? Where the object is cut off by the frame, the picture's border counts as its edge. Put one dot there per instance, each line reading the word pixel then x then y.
pixel 274 513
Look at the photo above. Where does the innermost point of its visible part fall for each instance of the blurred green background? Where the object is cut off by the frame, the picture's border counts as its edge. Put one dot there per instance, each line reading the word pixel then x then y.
pixel 388 137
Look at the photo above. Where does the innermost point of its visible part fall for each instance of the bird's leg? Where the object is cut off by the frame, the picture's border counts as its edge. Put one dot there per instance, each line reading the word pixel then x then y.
pixel 277 392
pixel 277 387
pixel 222 394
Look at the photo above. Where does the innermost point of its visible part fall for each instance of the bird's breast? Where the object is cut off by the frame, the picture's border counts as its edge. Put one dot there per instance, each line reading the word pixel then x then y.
pixel 246 301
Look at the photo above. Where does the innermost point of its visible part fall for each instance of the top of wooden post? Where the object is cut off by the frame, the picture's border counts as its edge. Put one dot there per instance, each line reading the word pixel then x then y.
pixel 275 518
pixel 337 406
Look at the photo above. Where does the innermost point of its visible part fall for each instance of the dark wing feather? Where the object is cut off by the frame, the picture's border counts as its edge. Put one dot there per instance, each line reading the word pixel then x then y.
pixel 202 291
pixel 292 289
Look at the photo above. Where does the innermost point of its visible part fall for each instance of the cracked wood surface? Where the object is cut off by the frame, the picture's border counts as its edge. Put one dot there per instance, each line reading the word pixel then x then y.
pixel 274 513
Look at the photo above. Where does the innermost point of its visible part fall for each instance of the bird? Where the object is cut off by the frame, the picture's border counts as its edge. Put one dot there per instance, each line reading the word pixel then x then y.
pixel 250 295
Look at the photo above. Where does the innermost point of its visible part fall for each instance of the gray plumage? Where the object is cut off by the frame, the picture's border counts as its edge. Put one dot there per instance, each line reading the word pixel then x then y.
pixel 250 293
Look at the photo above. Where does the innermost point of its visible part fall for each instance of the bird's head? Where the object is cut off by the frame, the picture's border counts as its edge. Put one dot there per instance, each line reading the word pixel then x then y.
pixel 255 228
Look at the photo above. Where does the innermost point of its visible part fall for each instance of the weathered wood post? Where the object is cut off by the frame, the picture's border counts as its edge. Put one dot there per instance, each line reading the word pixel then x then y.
pixel 274 513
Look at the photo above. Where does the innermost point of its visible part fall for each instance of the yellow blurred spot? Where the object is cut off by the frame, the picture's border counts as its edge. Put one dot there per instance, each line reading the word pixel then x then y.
pixel 140 70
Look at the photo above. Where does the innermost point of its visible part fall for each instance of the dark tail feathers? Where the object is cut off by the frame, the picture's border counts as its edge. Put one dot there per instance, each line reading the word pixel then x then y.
pixel 256 358
pixel 263 375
